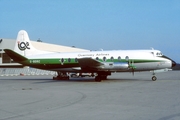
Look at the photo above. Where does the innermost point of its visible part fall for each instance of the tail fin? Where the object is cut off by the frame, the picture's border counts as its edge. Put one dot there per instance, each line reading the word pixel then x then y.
pixel 23 45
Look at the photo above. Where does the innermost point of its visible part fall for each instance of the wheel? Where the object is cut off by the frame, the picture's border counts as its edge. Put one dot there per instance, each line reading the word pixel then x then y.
pixel 104 77
pixel 154 78
pixel 98 79
pixel 54 78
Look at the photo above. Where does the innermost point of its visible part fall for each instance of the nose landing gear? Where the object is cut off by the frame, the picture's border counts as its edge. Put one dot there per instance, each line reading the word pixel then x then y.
pixel 154 78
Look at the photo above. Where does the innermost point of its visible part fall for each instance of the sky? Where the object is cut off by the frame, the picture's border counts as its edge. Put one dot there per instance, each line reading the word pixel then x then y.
pixel 96 24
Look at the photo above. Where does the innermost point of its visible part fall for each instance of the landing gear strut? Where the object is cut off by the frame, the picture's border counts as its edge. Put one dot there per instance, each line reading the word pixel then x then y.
pixel 102 76
pixel 61 76
pixel 154 77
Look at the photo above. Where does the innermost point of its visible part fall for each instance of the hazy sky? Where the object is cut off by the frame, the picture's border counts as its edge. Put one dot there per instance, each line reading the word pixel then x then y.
pixel 96 24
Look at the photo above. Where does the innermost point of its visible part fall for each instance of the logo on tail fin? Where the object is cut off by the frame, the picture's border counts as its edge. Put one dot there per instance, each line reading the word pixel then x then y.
pixel 23 46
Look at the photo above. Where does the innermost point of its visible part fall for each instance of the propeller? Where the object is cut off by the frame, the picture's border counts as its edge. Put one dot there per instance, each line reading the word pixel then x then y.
pixel 131 65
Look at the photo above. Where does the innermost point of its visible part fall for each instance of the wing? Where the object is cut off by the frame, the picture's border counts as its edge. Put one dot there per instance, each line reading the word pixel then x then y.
pixel 89 63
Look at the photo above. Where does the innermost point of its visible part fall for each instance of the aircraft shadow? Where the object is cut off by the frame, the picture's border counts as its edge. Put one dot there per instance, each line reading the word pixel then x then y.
pixel 50 80
pixel 92 80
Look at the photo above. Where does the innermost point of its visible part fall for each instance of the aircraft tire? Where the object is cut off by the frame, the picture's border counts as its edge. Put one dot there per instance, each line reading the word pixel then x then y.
pixel 104 77
pixel 154 78
pixel 98 79
pixel 61 78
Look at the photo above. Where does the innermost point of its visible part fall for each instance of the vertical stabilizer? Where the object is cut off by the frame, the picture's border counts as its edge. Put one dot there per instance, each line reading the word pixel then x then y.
pixel 23 45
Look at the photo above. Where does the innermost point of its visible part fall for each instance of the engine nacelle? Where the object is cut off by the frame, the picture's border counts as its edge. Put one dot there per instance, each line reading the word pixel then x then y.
pixel 114 66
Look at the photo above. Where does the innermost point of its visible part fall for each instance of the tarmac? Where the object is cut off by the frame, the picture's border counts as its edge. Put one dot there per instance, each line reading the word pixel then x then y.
pixel 121 97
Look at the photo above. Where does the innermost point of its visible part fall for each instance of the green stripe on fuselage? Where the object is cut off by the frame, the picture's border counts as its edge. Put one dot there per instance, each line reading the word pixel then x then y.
pixel 57 63
pixel 74 61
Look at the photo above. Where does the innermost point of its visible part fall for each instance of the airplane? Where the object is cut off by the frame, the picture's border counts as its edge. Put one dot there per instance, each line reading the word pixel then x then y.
pixel 103 63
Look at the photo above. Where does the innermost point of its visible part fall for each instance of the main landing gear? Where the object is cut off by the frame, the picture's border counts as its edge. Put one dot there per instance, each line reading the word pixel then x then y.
pixel 102 76
pixel 61 76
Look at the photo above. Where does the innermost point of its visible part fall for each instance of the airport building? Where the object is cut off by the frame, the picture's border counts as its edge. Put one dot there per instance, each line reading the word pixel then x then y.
pixel 6 61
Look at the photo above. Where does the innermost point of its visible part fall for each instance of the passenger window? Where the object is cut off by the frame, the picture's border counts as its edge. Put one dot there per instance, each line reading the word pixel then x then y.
pixel 69 59
pixel 97 58
pixel 127 58
pixel 112 58
pixel 62 60
pixel 76 60
pixel 104 58
pixel 119 58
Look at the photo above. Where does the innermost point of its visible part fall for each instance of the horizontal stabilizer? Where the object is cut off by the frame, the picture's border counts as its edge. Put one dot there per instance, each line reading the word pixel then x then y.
pixel 15 56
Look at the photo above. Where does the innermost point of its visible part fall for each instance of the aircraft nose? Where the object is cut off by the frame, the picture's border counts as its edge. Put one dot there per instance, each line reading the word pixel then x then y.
pixel 173 63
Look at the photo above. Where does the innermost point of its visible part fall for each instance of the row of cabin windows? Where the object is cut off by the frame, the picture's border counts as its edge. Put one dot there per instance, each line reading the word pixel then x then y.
pixel 69 60
pixel 97 58
pixel 112 58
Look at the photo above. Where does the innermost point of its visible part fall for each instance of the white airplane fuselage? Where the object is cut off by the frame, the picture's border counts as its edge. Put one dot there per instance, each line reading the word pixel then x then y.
pixel 100 62
pixel 142 60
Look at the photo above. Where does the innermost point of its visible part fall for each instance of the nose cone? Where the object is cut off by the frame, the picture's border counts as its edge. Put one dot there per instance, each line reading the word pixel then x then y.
pixel 173 63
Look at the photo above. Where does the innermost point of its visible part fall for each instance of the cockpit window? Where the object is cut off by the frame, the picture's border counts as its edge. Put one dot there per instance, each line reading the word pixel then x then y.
pixel 159 54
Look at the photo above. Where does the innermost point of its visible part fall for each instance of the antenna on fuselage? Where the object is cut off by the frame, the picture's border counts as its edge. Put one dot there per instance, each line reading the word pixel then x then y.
pixel 152 48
